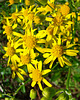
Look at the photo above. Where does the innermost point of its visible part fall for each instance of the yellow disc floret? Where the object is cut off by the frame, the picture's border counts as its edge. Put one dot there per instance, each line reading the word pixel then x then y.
pixel 30 41
pixel 8 30
pixel 57 51
pixel 58 20
pixel 36 75
pixel 25 59
pixel 10 51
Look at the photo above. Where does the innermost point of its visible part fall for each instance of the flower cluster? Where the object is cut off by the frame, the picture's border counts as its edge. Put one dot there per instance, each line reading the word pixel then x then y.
pixel 45 29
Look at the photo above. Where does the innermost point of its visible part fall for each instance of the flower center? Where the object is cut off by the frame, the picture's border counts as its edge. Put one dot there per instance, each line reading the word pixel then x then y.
pixel 10 51
pixel 31 16
pixel 30 41
pixel 57 51
pixel 8 30
pixel 36 75
pixel 25 59
pixel 58 20
pixel 14 16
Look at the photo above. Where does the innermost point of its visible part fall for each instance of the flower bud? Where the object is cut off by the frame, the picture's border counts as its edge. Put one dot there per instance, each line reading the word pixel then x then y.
pixel 48 92
pixel 44 2
pixel 44 98
pixel 32 94
pixel 63 96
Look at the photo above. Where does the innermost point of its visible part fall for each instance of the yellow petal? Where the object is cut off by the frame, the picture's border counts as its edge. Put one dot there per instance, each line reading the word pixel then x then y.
pixel 75 51
pixel 14 26
pixel 33 55
pixel 48 60
pixel 16 58
pixel 13 74
pixel 40 65
pixel 33 83
pixel 61 61
pixel 46 71
pixel 30 68
pixel 30 75
pixel 66 61
pixel 40 86
pixel 41 41
pixel 20 76
pixel 22 71
pixel 51 63
pixel 70 53
pixel 70 45
pixel 46 55
pixel 17 34
pixel 46 82
pixel 59 40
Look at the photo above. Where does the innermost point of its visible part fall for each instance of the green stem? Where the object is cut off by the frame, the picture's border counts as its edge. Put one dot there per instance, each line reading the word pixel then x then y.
pixel 21 86
pixel 68 79
pixel 55 65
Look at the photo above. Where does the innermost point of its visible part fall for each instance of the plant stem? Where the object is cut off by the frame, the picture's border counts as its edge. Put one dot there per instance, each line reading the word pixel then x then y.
pixel 21 86
pixel 55 65
pixel 68 78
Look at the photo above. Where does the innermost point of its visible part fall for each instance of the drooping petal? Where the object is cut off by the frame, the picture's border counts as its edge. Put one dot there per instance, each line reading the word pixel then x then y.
pixel 46 82
pixel 61 61
pixel 66 61
pixel 20 76
pixel 46 71
pixel 33 83
pixel 22 71
pixel 13 75
pixel 48 60
pixel 40 86
pixel 40 65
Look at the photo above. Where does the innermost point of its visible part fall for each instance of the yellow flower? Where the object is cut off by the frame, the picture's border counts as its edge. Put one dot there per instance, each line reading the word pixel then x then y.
pixel 15 17
pixel 11 52
pixel 16 70
pixel 9 29
pixel 36 73
pixel 26 58
pixel 58 51
pixel 29 41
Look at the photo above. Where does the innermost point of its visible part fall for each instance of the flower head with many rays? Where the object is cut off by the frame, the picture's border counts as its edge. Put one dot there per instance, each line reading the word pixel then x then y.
pixel 58 51
pixel 11 52
pixel 36 73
